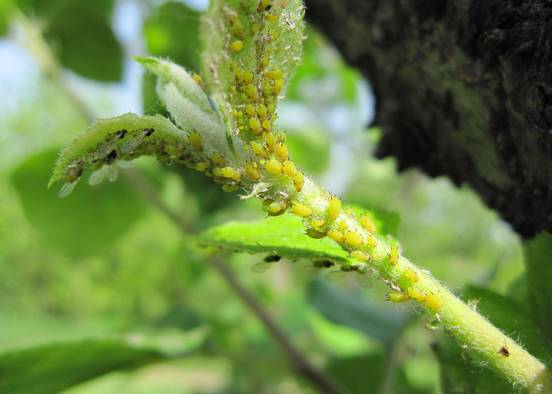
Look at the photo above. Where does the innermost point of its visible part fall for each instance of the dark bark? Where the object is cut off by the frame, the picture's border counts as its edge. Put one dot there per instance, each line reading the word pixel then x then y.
pixel 463 89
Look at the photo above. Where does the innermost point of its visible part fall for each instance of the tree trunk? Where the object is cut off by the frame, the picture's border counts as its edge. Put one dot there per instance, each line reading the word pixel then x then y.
pixel 463 89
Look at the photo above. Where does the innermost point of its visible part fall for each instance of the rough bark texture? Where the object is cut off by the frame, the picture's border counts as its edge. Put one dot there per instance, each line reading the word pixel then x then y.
pixel 463 89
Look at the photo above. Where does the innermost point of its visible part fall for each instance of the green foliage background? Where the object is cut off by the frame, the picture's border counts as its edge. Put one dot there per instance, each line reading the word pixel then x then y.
pixel 103 284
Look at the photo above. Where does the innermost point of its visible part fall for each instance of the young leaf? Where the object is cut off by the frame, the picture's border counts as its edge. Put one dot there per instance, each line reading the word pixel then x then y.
pixel 283 235
pixel 56 367
pixel 253 46
pixel 125 137
pixel 187 103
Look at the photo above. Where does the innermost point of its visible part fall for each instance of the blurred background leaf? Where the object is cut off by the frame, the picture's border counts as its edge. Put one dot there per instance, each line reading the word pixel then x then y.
pixel 90 220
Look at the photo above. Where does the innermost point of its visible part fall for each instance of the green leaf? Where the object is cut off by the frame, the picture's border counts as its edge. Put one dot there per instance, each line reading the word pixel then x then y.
pixel 124 137
pixel 538 254
pixel 348 308
pixel 50 8
pixel 90 221
pixel 56 367
pixel 459 373
pixel 283 235
pixel 269 40
pixel 6 8
pixel 172 31
pixel 85 43
pixel 367 373
pixel 187 103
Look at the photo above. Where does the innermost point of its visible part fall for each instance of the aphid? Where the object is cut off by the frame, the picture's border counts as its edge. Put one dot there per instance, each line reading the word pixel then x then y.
pixel 271 141
pixel 266 124
pixel 111 157
pixel 415 294
pixel 397 296
pixel 276 208
pixel 272 258
pixel 278 85
pixel 264 5
pixel 148 132
pixel 314 233
pixel 281 151
pixel 289 168
pixel 217 159
pixel 273 167
pixel 252 171
pixel 261 110
pixel 410 275
pixel 335 235
pixel 251 91
pixel 352 239
pixel 267 262
pixel 503 351
pixel 121 133
pixel 255 125
pixel 323 263
pixel 250 109
pixel 334 207
pixel 194 139
pixel 371 242
pixel 67 189
pixel 271 18
pixel 298 181
pixel 97 177
pixel 433 302
pixel 230 188
pixel 228 172
pixel 317 223
pixel 202 166
pixel 236 45
pixel 301 210
pixel 367 223
pixel 360 255
pixel 257 148
pixel 274 74
pixel 197 78
pixel 394 255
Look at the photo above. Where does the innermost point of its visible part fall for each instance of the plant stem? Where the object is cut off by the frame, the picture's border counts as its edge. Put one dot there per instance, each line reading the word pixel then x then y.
pixel 483 341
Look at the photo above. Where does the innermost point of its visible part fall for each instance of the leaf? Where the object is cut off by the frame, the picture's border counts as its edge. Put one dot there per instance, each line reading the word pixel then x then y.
pixel 367 373
pixel 461 373
pixel 538 253
pixel 124 137
pixel 283 235
pixel 6 8
pixel 172 31
pixel 187 103
pixel 268 40
pixel 50 8
pixel 348 308
pixel 85 42
pixel 91 220
pixel 55 367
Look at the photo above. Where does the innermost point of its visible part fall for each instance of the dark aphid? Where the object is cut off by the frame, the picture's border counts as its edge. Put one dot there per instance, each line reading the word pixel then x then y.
pixel 504 351
pixel 121 133
pixel 148 132
pixel 111 156
pixel 323 263
pixel 272 258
